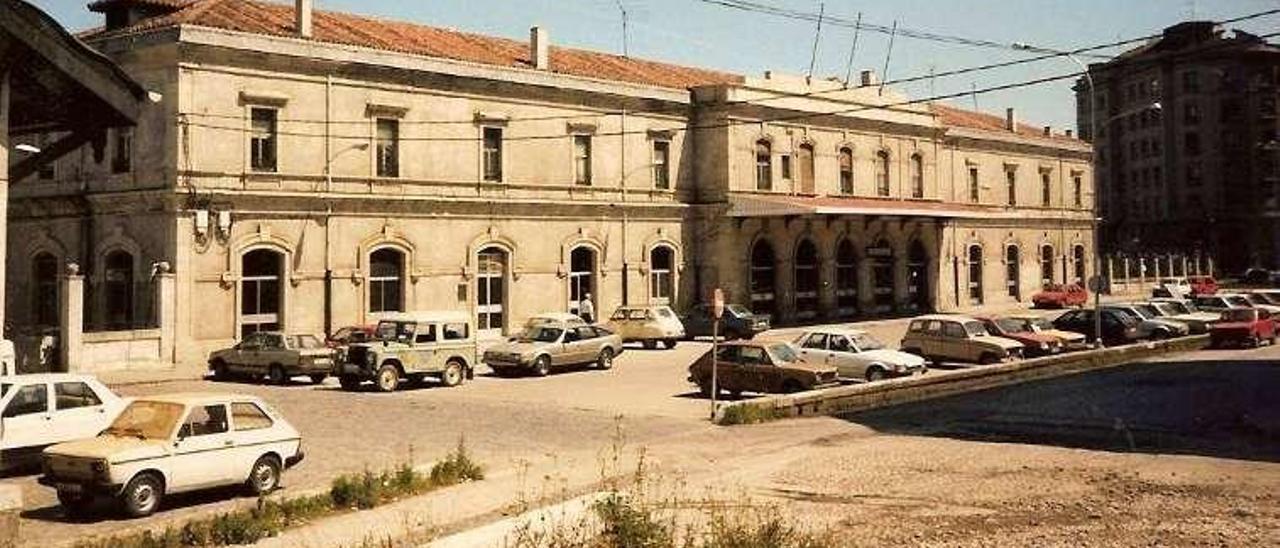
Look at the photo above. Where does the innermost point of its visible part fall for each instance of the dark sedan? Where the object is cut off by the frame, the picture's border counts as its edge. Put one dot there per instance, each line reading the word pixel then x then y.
pixel 1117 327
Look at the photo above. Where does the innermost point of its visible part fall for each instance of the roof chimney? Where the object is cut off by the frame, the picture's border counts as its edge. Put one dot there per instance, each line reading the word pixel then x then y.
pixel 1048 131
pixel 1070 134
pixel 868 78
pixel 539 48
pixel 1010 120
pixel 302 9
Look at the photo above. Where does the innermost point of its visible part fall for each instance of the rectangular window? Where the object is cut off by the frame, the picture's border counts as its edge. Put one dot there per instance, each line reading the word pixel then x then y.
pixel 764 166
pixel 1195 176
pixel 1191 144
pixel 388 147
pixel 30 400
pixel 248 416
pixel 121 158
pixel 71 395
pixel 1046 188
pixel 46 170
pixel 582 159
pixel 662 165
pixel 974 187
pixel 1077 189
pixel 204 421
pixel 1191 82
pixel 1011 181
pixel 263 140
pixel 846 171
pixel 454 331
pixel 1191 113
pixel 785 165
pixel 492 154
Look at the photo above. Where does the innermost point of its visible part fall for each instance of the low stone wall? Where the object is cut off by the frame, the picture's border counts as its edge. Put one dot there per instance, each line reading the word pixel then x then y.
pixel 121 350
pixel 937 384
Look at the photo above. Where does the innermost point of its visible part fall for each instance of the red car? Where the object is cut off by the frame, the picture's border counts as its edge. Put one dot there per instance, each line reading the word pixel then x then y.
pixel 350 335
pixel 1034 344
pixel 1243 327
pixel 1203 285
pixel 1060 296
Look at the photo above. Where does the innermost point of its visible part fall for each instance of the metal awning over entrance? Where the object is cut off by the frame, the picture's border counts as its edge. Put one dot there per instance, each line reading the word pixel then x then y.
pixel 741 206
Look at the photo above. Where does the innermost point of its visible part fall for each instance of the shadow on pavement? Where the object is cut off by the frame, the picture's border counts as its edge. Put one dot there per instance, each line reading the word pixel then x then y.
pixel 1225 409
pixel 107 510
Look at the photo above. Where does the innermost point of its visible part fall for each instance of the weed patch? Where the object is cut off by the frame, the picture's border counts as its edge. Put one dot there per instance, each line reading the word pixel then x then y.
pixel 750 414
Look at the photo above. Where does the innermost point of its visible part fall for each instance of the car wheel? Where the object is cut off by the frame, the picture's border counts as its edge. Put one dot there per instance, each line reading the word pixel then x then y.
pixel 453 374
pixel 275 374
pixel 1255 342
pixel 542 365
pixel 649 344
pixel 791 386
pixel 988 359
pixel 876 373
pixel 318 378
pixel 605 361
pixel 220 370
pixel 264 477
pixel 142 496
pixel 669 343
pixel 75 504
pixel 388 378
pixel 349 382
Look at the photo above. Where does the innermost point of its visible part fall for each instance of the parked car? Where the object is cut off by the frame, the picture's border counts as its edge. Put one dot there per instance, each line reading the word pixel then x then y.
pixel 351 335
pixel 162 445
pixel 1117 327
pixel 737 323
pixel 1197 322
pixel 549 345
pixel 855 354
pixel 1203 285
pixel 940 338
pixel 559 318
pixel 1259 301
pixel 1243 327
pixel 1257 276
pixel 1221 302
pixel 1150 324
pixel 1037 324
pixel 1178 288
pixel 759 366
pixel 1060 296
pixel 647 324
pixel 413 346
pixel 48 408
pixel 1272 296
pixel 1034 344
pixel 275 355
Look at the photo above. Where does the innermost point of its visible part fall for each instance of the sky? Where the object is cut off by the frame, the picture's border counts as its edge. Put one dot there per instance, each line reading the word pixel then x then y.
pixel 700 33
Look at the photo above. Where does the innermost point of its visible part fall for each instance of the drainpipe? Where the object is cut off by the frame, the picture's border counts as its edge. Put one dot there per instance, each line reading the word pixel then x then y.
pixel 622 152
pixel 328 219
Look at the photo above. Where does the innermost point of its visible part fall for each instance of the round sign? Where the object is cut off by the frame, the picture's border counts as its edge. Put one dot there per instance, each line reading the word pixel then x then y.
pixel 1097 284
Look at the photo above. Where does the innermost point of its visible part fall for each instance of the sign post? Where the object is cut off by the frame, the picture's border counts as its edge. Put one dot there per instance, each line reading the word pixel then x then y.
pixel 717 311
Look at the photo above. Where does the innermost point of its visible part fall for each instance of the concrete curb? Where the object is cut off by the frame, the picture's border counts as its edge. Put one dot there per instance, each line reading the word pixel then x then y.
pixel 863 397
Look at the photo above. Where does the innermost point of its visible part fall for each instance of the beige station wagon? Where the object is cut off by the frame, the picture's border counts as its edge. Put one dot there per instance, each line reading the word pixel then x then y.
pixel 941 338
pixel 413 346
pixel 648 325
pixel 549 344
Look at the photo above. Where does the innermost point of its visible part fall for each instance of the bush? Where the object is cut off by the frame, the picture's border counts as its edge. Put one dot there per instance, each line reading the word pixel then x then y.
pixel 456 468
pixel 626 526
pixel 750 414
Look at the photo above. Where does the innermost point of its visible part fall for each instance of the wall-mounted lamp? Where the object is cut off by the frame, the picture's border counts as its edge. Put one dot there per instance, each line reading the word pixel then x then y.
pixel 202 222
pixel 29 149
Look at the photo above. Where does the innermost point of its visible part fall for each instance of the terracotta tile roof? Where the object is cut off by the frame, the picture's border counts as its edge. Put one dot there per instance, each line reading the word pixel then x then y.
pixel 958 117
pixel 101 5
pixel 252 16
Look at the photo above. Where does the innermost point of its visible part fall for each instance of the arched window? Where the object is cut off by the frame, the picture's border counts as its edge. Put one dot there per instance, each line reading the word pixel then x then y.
pixel 662 275
pixel 261 295
pixel 491 289
pixel 882 173
pixel 880 256
pixel 117 278
pixel 917 176
pixel 806 280
pixel 762 278
pixel 582 280
pixel 1078 254
pixel 975 275
pixel 1013 272
pixel 846 170
pixel 44 303
pixel 1046 266
pixel 918 277
pixel 764 165
pixel 846 279
pixel 805 156
pixel 386 280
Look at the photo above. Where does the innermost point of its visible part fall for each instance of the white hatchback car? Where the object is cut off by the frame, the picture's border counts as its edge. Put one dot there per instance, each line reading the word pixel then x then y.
pixel 161 445
pixel 43 409
pixel 856 355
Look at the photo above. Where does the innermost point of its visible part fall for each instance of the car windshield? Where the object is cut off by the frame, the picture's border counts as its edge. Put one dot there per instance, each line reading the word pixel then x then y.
pixel 1010 325
pixel 619 314
pixel 737 309
pixel 307 342
pixel 1039 324
pixel 1239 301
pixel 544 333
pixel 783 353
pixel 1255 298
pixel 1166 309
pixel 343 334
pixel 866 342
pixel 151 420
pixel 975 329
pixel 1270 298
pixel 1239 315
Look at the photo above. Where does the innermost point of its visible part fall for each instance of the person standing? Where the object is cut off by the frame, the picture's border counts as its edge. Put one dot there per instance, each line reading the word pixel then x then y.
pixel 587 309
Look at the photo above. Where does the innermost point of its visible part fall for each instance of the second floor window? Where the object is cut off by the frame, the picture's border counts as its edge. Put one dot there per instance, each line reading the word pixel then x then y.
pixel 582 159
pixel 846 171
pixel 784 164
pixel 917 176
pixel 1046 189
pixel 661 164
pixel 974 186
pixel 1077 189
pixel 122 156
pixel 492 154
pixel 263 140
pixel 1011 181
pixel 1191 144
pixel 882 173
pixel 764 165
pixel 388 147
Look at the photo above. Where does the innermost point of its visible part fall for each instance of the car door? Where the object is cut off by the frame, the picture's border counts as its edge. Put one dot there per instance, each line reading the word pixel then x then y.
pixel 243 360
pixel 847 357
pixel 201 450
pixel 252 432
pixel 274 351
pixel 728 369
pixel 755 370
pixel 587 348
pixel 26 417
pixel 813 347
pixel 78 411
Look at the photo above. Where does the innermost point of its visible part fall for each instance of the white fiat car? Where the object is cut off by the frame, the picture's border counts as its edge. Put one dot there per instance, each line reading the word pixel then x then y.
pixel 856 355
pixel 161 445
pixel 43 409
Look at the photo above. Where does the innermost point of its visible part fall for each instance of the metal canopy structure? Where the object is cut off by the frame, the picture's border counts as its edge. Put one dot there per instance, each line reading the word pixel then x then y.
pixel 59 84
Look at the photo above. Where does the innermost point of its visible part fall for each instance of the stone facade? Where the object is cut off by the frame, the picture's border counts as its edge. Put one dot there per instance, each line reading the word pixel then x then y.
pixel 295 184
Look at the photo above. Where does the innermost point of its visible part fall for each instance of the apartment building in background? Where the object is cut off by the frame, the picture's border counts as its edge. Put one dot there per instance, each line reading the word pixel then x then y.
pixel 308 170
pixel 1188 153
